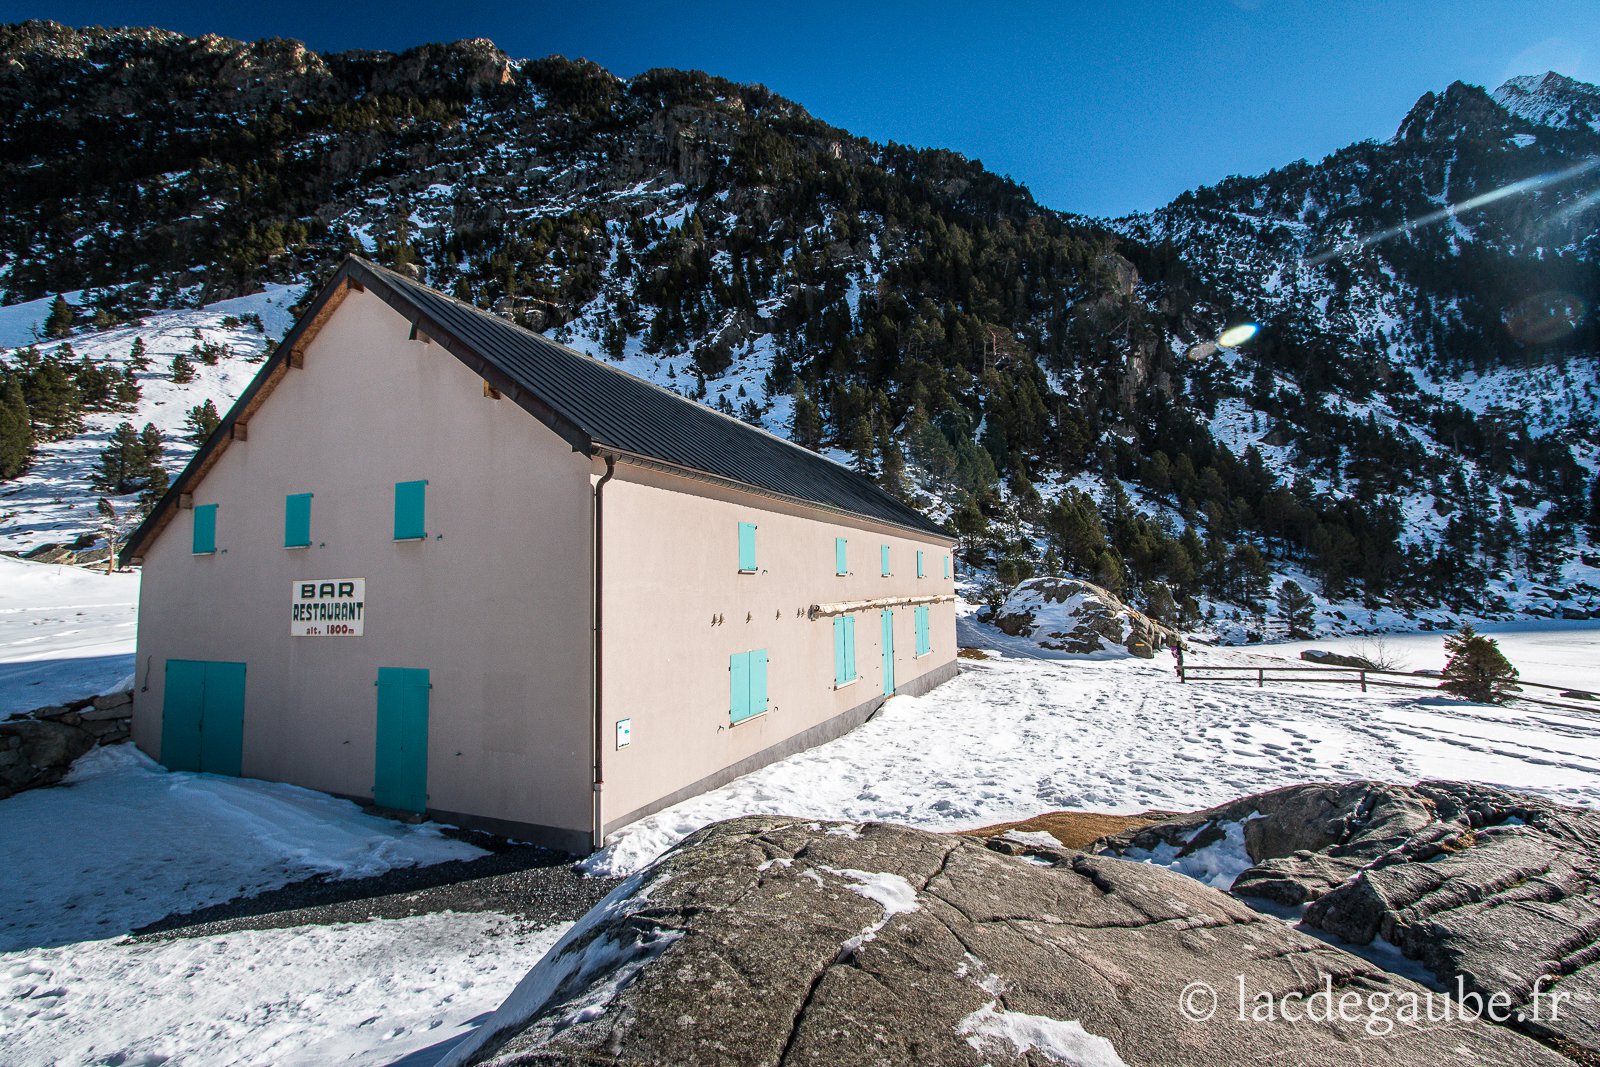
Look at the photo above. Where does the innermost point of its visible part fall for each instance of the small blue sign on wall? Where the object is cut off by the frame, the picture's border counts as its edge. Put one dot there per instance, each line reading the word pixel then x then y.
pixel 624 732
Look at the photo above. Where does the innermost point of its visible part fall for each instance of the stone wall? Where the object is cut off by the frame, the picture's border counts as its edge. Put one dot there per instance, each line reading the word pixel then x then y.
pixel 37 747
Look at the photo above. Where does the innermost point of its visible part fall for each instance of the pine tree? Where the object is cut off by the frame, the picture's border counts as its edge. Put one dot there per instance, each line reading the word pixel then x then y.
pixel 138 359
pixel 859 442
pixel 151 445
pixel 53 401
pixel 182 369
pixel 127 391
pixel 122 464
pixel 1296 610
pixel 806 430
pixel 59 321
pixel 203 418
pixel 892 476
pixel 1476 669
pixel 16 430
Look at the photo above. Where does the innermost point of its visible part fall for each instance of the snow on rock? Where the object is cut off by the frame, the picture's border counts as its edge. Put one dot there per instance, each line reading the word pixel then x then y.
pixel 1217 863
pixel 65 633
pixel 358 994
pixel 594 960
pixel 123 843
pixel 1061 1041
pixel 1070 615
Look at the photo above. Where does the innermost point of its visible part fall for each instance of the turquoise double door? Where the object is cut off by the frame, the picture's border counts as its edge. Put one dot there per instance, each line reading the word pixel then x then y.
pixel 202 716
pixel 400 772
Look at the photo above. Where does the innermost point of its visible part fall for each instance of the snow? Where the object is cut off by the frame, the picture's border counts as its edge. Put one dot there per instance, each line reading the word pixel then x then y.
pixel 1218 864
pixel 1061 1041
pixel 65 633
pixel 145 843
pixel 1013 736
pixel 599 965
pixel 359 993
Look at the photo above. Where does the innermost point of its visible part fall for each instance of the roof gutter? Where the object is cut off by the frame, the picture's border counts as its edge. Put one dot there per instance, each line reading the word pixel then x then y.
pixel 597 839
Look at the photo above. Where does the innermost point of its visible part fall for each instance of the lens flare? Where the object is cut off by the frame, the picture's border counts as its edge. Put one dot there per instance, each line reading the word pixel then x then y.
pixel 1234 336
pixel 1452 210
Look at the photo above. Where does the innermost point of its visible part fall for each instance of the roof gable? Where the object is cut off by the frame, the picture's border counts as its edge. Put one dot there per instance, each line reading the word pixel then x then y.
pixel 596 408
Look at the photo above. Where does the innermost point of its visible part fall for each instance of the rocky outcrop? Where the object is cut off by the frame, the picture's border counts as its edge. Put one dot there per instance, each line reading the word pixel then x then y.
pixel 1070 615
pixel 37 747
pixel 1494 890
pixel 1337 659
pixel 768 940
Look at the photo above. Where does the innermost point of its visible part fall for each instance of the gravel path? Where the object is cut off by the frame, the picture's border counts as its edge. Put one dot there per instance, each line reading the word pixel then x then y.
pixel 525 881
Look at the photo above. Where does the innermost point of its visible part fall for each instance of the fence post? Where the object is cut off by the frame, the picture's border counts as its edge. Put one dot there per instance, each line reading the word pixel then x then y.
pixel 1363 681
pixel 1261 677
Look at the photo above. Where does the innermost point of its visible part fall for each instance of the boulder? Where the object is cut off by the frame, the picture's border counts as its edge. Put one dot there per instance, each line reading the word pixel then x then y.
pixel 43 754
pixel 1493 890
pixel 1070 615
pixel 1337 659
pixel 769 940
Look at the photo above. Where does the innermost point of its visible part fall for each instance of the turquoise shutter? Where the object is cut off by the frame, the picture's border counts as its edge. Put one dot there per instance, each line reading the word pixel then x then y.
pixel 297 520
pixel 409 511
pixel 919 563
pixel 739 687
pixel 838 652
pixel 841 559
pixel 758 681
pixel 947 566
pixel 884 553
pixel 205 529
pixel 850 649
pixel 924 645
pixel 747 548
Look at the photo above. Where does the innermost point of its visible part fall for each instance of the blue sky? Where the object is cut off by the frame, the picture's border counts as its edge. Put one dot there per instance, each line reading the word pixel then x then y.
pixel 1099 108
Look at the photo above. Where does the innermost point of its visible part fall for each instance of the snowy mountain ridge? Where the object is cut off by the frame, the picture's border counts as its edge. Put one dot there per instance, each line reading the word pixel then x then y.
pixel 1411 434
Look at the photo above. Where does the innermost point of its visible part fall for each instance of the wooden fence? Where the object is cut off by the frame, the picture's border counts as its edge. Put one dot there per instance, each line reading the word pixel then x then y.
pixel 1362 676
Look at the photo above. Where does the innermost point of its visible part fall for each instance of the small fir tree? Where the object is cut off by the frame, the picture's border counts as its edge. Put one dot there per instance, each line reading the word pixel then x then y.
pixel 127 391
pixel 807 426
pixel 1476 669
pixel 138 358
pixel 202 419
pixel 182 369
pixel 1296 610
pixel 122 464
pixel 58 323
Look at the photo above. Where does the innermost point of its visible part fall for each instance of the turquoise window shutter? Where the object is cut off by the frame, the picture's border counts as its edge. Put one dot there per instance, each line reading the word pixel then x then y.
pixel 758 681
pixel 838 652
pixel 924 645
pixel 884 553
pixel 747 547
pixel 205 529
pixel 947 566
pixel 919 563
pixel 850 649
pixel 410 523
pixel 841 556
pixel 297 520
pixel 739 687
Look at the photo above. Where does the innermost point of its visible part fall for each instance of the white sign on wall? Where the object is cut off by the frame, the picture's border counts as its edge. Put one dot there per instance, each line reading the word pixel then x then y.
pixel 328 607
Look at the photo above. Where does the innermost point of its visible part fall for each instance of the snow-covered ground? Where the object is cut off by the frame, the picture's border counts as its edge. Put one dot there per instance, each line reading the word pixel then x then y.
pixel 65 633
pixel 1014 736
pixel 125 843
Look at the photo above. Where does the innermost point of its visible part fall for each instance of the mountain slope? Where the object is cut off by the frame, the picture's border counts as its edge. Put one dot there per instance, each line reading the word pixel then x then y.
pixel 1016 371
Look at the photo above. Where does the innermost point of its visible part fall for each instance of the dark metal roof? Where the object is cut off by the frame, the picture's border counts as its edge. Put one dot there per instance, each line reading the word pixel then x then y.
pixel 617 412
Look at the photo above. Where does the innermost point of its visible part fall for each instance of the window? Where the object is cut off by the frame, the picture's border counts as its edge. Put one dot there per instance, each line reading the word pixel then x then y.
pixel 205 529
pixel 947 566
pixel 747 548
pixel 924 644
pixel 919 563
pixel 747 685
pixel 297 520
pixel 884 553
pixel 409 511
pixel 841 556
pixel 844 651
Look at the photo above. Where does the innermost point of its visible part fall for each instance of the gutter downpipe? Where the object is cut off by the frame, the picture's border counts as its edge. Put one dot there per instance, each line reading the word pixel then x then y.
pixel 597 838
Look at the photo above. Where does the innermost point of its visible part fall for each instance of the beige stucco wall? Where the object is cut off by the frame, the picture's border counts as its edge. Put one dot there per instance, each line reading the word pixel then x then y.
pixel 671 565
pixel 495 603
